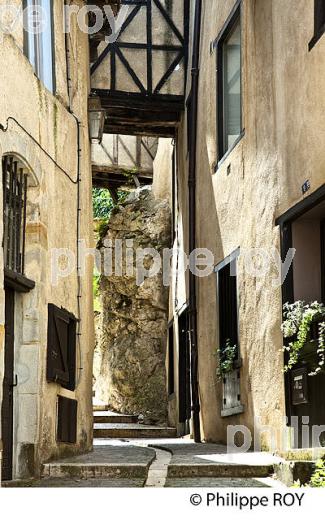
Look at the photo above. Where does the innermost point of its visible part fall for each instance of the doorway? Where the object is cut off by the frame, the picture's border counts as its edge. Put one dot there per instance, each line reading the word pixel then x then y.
pixel 303 230
pixel 184 370
pixel 8 386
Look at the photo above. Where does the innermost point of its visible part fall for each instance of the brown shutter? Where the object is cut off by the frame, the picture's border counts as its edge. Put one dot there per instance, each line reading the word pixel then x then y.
pixel 67 420
pixel 61 348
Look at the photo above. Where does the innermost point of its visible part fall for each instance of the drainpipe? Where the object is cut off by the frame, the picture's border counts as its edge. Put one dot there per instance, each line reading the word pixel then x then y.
pixel 78 126
pixel 192 218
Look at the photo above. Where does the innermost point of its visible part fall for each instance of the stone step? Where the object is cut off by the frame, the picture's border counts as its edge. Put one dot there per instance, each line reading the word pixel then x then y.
pixel 99 406
pixel 227 471
pixel 101 471
pixel 103 463
pixel 111 418
pixel 132 431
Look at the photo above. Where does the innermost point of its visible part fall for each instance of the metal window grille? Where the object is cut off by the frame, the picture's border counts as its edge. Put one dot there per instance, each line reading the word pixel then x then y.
pixel 14 214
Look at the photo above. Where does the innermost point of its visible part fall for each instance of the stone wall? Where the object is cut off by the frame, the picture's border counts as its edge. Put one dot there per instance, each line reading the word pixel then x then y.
pixel 130 358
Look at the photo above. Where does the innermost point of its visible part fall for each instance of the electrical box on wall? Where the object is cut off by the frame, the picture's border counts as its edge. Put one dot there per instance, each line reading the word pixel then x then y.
pixel 299 386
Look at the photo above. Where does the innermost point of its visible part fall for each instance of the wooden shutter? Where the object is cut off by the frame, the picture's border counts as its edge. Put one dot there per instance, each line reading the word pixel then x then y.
pixel 61 347
pixel 67 420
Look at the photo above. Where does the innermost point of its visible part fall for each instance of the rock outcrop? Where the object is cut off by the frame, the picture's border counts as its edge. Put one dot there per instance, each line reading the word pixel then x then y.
pixel 132 334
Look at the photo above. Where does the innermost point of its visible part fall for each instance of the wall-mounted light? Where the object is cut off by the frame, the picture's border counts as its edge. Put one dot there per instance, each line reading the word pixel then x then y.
pixel 96 119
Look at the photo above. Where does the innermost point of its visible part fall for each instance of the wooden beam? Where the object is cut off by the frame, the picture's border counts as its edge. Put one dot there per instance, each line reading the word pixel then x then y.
pixel 138 101
pixel 145 131
pixel 120 170
pixel 142 117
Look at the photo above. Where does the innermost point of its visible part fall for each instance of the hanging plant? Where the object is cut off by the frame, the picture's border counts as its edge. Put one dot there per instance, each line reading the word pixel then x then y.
pixel 299 318
pixel 227 357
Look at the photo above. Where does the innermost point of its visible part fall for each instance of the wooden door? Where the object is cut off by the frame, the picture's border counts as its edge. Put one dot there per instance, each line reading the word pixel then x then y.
pixel 8 384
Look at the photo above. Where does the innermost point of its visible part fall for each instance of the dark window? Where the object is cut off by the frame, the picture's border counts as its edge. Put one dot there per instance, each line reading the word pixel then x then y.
pixel 319 21
pixel 229 84
pixel 171 360
pixel 228 305
pixel 14 214
pixel 322 242
pixel 39 43
pixel 61 347
pixel 67 420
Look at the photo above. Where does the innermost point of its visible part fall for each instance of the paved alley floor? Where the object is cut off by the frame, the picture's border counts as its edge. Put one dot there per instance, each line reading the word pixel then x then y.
pixel 171 463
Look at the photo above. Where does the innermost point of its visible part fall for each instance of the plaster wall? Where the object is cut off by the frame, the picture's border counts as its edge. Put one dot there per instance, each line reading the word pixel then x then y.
pixel 239 198
pixel 125 152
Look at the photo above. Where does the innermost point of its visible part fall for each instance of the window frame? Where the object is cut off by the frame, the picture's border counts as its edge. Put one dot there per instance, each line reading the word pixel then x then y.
pixel 233 257
pixel 15 187
pixel 319 27
pixel 38 62
pixel 234 17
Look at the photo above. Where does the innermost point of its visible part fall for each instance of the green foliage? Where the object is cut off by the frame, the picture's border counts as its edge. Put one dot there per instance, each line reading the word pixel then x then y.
pixel 318 478
pixel 102 202
pixel 298 319
pixel 227 356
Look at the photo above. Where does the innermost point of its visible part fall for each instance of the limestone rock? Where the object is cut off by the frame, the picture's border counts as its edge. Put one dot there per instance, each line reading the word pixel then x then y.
pixel 131 348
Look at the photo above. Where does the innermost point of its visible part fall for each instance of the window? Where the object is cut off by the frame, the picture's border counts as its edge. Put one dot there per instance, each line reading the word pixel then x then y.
pixel 39 39
pixel 61 347
pixel 14 214
pixel 229 89
pixel 228 333
pixel 319 21
pixel 227 296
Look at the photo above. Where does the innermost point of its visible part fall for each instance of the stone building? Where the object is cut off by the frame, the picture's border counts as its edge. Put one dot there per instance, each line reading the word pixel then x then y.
pixel 259 171
pixel 46 321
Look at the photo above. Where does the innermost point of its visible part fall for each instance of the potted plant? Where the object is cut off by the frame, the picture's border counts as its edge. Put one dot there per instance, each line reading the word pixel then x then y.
pixel 227 359
pixel 304 325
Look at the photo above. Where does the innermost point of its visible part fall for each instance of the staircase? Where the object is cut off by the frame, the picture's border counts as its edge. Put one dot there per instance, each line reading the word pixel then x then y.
pixel 110 425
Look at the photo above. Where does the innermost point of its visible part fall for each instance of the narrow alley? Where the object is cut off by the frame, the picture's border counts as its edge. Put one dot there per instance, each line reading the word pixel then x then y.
pixel 162 259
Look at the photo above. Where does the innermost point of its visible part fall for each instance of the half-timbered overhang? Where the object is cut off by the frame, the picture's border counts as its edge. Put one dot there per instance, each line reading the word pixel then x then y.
pixel 138 70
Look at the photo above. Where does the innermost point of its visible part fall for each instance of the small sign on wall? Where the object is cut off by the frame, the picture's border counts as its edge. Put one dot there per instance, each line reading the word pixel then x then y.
pixel 299 386
pixel 305 187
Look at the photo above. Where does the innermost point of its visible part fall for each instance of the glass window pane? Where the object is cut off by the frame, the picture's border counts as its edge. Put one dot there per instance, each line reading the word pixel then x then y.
pixel 30 37
pixel 46 54
pixel 232 87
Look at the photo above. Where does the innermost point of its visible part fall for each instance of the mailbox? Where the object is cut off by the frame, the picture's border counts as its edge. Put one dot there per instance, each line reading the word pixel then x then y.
pixel 299 386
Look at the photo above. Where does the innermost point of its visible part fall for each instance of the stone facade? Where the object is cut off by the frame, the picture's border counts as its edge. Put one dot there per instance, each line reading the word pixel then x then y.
pixel 43 134
pixel 130 373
